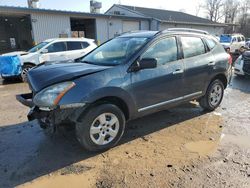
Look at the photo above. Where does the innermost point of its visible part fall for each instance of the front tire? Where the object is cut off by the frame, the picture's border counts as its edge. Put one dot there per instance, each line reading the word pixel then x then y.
pixel 101 127
pixel 25 70
pixel 213 97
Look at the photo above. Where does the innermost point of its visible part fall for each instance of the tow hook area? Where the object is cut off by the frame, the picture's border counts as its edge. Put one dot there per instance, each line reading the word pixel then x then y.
pixel 36 113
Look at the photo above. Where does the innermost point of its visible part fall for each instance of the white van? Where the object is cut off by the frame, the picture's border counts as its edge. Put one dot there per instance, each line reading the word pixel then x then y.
pixel 58 49
pixel 233 41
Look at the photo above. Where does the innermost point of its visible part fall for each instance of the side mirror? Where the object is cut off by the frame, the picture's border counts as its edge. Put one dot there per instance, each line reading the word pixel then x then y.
pixel 146 63
pixel 44 51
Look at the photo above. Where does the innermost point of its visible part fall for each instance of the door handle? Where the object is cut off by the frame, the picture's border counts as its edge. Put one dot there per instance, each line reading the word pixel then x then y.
pixel 211 63
pixel 178 71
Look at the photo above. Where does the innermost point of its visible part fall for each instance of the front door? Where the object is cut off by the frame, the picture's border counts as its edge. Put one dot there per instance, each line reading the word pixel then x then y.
pixel 152 88
pixel 56 52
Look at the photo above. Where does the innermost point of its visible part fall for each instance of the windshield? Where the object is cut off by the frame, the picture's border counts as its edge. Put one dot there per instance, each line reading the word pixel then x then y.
pixel 115 51
pixel 225 38
pixel 38 47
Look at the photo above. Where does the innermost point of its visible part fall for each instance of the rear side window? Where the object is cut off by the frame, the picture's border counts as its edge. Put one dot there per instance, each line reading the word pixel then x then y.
pixel 74 45
pixel 84 44
pixel 211 43
pixel 57 47
pixel 239 39
pixel 192 46
pixel 163 51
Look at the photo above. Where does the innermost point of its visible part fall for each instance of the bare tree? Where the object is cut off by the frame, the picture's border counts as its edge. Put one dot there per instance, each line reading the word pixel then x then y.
pixel 244 20
pixel 230 10
pixel 198 9
pixel 214 9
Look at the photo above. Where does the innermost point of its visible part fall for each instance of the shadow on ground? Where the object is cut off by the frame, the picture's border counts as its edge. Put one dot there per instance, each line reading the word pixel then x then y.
pixel 9 81
pixel 241 83
pixel 27 153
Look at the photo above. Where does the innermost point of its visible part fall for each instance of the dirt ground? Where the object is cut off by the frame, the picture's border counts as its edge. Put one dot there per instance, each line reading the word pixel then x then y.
pixel 179 147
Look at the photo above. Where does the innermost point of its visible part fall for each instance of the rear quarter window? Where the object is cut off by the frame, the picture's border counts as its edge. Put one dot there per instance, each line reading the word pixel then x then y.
pixel 192 46
pixel 85 44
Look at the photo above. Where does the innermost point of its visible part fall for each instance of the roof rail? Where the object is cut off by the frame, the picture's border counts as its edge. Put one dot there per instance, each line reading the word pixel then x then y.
pixel 128 32
pixel 188 30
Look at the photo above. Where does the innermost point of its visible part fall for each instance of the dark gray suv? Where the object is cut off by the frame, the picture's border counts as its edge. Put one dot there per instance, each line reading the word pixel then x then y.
pixel 130 76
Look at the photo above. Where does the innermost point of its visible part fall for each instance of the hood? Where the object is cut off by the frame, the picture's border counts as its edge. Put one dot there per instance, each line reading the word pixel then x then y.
pixel 15 53
pixel 51 73
pixel 227 44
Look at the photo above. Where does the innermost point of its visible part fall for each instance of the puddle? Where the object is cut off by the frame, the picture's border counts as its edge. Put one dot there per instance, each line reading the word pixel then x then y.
pixel 202 147
pixel 242 141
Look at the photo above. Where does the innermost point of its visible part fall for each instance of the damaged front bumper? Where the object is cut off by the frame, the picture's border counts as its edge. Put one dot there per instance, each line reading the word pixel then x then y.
pixel 65 113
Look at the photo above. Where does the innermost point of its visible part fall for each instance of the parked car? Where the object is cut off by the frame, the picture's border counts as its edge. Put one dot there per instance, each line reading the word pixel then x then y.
pixel 248 43
pixel 58 49
pixel 233 42
pixel 242 64
pixel 128 77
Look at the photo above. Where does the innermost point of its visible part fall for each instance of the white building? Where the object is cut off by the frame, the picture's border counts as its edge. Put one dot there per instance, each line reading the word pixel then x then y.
pixel 22 27
pixel 163 19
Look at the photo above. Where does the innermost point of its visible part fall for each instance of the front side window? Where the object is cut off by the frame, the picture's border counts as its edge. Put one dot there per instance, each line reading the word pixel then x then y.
pixel 163 51
pixel 234 40
pixel 74 46
pixel 115 51
pixel 38 47
pixel 192 46
pixel 56 47
pixel 239 39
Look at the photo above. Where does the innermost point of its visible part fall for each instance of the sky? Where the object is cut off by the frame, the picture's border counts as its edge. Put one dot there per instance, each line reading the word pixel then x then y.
pixel 188 6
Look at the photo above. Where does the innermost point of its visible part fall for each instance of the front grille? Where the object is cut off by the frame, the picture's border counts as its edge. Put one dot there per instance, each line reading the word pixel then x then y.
pixel 246 67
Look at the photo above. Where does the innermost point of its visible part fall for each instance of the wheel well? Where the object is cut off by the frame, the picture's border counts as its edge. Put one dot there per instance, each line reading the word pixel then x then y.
pixel 116 101
pixel 222 78
pixel 28 63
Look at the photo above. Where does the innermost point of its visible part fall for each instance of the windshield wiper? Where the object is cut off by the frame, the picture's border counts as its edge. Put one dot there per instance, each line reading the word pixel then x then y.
pixel 88 62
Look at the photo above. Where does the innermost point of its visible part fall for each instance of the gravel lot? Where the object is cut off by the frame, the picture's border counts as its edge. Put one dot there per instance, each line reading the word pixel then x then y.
pixel 179 147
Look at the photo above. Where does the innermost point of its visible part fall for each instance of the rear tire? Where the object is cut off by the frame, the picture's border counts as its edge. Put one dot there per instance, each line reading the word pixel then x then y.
pixel 101 127
pixel 213 97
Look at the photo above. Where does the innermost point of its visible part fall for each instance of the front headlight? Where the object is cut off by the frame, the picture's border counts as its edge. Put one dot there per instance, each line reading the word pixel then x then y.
pixel 50 96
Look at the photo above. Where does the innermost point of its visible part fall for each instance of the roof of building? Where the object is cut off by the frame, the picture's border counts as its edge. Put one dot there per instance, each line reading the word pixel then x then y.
pixel 168 16
pixel 25 10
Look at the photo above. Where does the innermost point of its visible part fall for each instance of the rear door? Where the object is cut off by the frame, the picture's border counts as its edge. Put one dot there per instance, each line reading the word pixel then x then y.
pixel 198 62
pixel 75 49
pixel 153 88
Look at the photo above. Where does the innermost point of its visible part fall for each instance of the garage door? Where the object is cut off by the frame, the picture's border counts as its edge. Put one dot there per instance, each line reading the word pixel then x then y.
pixel 130 26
